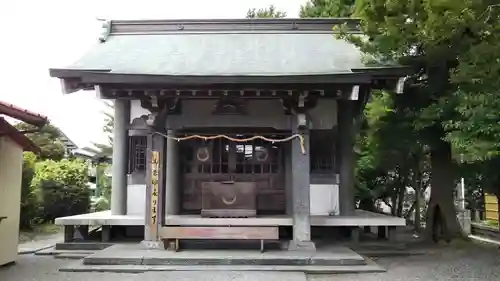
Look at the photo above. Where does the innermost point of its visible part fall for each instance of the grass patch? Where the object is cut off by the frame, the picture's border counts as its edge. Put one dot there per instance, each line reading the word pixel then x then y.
pixel 491 223
pixel 39 231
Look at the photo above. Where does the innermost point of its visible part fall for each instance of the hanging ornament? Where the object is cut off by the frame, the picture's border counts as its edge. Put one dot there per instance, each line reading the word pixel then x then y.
pixel 262 155
pixel 202 154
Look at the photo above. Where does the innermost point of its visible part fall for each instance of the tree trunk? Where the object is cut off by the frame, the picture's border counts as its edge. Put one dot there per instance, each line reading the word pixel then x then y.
pixel 367 204
pixel 417 183
pixel 394 198
pixel 442 221
pixel 416 223
pixel 410 211
pixel 401 199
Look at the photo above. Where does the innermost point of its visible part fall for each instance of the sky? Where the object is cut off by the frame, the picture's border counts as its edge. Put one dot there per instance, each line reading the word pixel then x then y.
pixel 36 35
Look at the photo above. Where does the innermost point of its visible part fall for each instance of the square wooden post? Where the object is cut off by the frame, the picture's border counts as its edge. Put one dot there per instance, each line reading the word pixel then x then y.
pixel 300 180
pixel 154 190
pixel 346 115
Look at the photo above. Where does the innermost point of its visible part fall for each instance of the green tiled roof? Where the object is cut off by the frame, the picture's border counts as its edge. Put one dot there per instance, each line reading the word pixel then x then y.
pixel 251 53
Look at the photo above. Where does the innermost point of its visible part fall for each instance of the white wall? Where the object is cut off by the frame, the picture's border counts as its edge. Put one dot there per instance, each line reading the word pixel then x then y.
pixel 136 199
pixel 324 199
pixel 136 110
pixel 11 162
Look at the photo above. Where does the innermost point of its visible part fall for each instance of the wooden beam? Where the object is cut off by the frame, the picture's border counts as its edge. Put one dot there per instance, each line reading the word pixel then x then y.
pixel 232 91
pixel 202 232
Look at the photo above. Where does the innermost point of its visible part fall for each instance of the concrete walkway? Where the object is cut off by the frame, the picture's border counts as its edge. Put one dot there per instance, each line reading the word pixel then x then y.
pixel 40 243
pixel 44 268
pixel 478 263
pixel 484 240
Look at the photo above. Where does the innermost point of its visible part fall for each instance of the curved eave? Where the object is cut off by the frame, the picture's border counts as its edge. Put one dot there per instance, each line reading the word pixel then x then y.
pixel 74 80
pixel 386 72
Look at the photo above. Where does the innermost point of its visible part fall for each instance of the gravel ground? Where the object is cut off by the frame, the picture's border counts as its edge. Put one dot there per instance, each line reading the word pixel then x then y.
pixel 480 262
pixel 468 263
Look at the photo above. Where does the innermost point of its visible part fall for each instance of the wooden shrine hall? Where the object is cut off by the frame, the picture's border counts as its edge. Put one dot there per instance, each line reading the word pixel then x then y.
pixel 231 129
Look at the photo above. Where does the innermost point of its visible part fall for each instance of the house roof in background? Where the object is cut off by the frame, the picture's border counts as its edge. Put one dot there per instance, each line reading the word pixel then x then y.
pixel 6 129
pixel 22 114
pixel 68 143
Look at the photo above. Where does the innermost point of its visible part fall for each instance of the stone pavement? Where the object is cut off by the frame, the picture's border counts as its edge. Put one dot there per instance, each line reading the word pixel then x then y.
pixel 40 243
pixel 43 268
pixel 471 262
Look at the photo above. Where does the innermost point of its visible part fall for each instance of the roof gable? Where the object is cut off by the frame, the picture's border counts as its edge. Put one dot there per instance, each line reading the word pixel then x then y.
pixel 23 141
pixel 264 47
pixel 22 114
pixel 264 54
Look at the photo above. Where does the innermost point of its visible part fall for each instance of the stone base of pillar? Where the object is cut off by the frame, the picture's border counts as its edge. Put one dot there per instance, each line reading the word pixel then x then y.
pixel 355 235
pixel 382 232
pixel 152 244
pixel 105 233
pixel 69 233
pixel 294 245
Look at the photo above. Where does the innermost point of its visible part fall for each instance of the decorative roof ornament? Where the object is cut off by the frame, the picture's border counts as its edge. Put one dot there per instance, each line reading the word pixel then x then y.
pixel 106 30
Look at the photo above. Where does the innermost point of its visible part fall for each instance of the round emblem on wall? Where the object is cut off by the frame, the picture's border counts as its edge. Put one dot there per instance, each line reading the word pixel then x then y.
pixel 262 155
pixel 202 154
pixel 228 201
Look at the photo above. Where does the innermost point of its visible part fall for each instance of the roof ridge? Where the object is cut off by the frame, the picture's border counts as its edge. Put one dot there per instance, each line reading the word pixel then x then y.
pixel 183 26
pixel 22 114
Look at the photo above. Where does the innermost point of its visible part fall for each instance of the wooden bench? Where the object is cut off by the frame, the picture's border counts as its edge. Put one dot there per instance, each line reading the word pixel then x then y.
pixel 178 233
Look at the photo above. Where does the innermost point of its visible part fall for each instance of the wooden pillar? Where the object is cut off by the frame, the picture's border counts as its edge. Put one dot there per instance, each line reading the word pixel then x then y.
pixel 154 189
pixel 120 152
pixel 300 180
pixel 171 195
pixel 346 133
pixel 288 179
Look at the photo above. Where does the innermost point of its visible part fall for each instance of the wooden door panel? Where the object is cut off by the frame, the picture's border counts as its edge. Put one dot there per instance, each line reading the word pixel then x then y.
pixel 254 161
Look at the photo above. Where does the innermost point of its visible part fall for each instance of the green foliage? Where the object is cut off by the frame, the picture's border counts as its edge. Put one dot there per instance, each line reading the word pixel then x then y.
pixel 47 138
pixel 29 205
pixel 101 204
pixel 62 188
pixel 327 8
pixel 269 12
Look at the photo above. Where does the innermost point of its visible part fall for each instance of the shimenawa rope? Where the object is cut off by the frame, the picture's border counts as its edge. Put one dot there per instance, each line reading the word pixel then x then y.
pixel 206 138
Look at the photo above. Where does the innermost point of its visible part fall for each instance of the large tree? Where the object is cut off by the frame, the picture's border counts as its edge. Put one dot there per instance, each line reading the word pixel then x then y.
pixel 476 130
pixel 387 139
pixel 48 138
pixel 432 37
pixel 327 8
pixel 269 12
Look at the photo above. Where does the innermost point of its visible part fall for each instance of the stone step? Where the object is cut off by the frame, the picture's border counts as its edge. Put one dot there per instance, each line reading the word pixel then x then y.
pixel 207 258
pixel 390 253
pixel 369 267
pixel 53 252
pixel 91 246
pixel 71 256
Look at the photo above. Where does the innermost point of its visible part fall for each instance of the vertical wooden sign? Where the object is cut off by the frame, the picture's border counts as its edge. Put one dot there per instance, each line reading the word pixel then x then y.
pixel 155 168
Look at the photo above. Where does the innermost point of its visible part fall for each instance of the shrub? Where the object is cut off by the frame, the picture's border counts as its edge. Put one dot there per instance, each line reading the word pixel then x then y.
pixel 29 206
pixel 101 204
pixel 62 188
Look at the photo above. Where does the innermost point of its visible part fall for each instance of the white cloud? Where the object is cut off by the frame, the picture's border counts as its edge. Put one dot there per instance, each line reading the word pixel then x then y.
pixel 38 35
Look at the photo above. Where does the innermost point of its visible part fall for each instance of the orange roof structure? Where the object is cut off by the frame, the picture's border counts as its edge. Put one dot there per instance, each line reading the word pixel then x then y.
pixel 22 114
pixel 6 129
